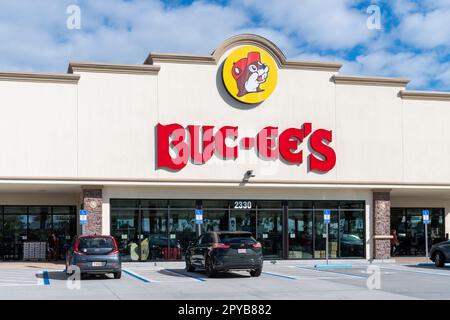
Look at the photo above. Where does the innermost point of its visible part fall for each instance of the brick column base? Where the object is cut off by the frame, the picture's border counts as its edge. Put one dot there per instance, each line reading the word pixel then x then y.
pixel 382 224
pixel 92 201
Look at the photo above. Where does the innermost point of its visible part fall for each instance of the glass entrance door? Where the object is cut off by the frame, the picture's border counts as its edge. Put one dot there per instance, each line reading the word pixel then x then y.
pixel 320 235
pixel 300 234
pixel 125 228
pixel 182 231
pixel 243 220
pixel 270 232
pixel 154 235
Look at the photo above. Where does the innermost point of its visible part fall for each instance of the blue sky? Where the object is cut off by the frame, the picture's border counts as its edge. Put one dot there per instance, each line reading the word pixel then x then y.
pixel 413 42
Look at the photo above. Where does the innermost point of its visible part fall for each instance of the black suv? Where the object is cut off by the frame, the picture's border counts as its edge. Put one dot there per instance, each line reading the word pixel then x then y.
pixel 223 251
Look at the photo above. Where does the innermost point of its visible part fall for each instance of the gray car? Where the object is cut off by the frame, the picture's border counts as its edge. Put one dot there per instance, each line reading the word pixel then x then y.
pixel 440 253
pixel 94 255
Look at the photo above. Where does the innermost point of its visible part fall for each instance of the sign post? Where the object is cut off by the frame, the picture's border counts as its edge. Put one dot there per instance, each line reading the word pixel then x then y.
pixel 83 220
pixel 426 221
pixel 199 220
pixel 326 221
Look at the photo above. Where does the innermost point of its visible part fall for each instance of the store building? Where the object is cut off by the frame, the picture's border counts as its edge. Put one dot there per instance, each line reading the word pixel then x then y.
pixel 256 141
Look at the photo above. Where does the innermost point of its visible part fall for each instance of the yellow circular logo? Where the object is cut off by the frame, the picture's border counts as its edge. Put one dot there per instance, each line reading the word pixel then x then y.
pixel 250 74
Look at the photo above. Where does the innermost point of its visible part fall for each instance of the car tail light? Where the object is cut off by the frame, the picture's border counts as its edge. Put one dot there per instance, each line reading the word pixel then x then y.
pixel 221 246
pixel 76 251
pixel 257 245
pixel 116 249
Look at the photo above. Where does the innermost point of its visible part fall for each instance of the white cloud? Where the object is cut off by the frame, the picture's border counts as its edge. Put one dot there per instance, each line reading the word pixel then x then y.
pixel 322 24
pixel 426 30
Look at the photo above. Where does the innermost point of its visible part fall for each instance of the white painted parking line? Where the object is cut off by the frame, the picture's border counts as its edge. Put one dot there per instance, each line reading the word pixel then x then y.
pixel 22 278
pixel 338 274
pixel 403 269
pixel 162 275
pixel 307 273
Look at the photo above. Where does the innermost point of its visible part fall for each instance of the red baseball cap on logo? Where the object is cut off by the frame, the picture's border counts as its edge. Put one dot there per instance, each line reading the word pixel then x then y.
pixel 239 67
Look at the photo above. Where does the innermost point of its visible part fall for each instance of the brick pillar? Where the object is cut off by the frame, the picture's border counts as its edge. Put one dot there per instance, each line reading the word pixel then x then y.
pixel 92 202
pixel 382 224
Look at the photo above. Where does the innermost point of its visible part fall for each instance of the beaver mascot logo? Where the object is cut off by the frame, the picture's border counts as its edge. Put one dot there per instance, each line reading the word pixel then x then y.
pixel 249 73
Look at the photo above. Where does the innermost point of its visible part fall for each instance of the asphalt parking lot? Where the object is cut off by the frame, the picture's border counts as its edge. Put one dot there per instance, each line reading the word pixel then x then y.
pixel 288 280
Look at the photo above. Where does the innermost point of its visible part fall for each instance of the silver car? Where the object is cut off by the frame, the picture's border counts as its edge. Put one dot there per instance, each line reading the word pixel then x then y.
pixel 94 255
pixel 440 253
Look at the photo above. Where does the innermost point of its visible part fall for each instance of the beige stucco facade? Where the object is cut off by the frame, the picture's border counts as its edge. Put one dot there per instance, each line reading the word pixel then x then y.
pixel 95 127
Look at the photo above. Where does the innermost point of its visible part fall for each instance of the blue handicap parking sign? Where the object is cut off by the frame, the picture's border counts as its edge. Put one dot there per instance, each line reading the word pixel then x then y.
pixel 426 216
pixel 83 217
pixel 198 216
pixel 326 216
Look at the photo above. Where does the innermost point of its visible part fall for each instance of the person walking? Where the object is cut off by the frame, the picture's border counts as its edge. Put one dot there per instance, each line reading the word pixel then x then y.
pixel 394 242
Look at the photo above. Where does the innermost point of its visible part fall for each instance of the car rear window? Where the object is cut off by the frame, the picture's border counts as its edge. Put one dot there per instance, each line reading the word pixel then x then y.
pixel 88 243
pixel 229 238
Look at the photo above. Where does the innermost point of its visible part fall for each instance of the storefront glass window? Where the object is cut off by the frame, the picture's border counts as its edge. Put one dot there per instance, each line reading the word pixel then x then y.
pixel 35 223
pixel 408 223
pixel 300 234
pixel 15 233
pixel 243 220
pixel 215 220
pixel 162 229
pixel 270 232
pixel 154 237
pixel 39 222
pixel 320 235
pixel 125 229
pixel 351 234
pixel 182 230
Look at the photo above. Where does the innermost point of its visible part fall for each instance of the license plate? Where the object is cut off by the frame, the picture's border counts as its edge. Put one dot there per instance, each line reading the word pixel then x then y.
pixel 242 250
pixel 98 264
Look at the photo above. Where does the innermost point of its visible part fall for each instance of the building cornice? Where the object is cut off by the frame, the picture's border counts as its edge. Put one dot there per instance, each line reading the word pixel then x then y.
pixel 39 77
pixel 425 95
pixel 76 66
pixel 98 182
pixel 372 81
pixel 239 40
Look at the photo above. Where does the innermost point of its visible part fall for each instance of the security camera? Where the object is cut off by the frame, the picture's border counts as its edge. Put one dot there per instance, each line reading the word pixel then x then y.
pixel 249 174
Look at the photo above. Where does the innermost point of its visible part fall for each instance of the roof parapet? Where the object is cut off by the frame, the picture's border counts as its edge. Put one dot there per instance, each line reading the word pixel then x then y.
pixel 373 81
pixel 76 66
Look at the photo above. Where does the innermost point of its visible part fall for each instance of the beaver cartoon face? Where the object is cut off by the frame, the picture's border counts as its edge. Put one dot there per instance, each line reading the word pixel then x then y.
pixel 249 73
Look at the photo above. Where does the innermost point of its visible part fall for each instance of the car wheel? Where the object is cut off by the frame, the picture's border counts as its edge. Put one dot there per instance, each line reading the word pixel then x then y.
pixel 439 260
pixel 189 267
pixel 256 272
pixel 210 272
pixel 118 275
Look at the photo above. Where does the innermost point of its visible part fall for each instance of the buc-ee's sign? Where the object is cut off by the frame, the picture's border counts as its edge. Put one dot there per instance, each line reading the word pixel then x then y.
pixel 177 145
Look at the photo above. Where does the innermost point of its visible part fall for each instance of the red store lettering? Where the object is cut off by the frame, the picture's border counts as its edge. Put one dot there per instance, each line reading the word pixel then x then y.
pixel 203 143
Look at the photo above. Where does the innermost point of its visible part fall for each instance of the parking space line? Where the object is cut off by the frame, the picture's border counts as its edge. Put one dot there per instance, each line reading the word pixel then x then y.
pixel 185 275
pixel 417 271
pixel 134 275
pixel 17 280
pixel 334 272
pixel 279 275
